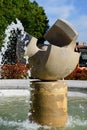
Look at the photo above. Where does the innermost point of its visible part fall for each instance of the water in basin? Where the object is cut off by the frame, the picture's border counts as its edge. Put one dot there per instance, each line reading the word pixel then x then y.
pixel 14 112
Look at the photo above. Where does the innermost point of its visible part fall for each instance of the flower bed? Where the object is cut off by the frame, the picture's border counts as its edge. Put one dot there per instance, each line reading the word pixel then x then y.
pixel 80 73
pixel 14 71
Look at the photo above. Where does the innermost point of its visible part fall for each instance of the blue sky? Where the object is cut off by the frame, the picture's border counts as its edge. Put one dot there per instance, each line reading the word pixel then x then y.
pixel 74 11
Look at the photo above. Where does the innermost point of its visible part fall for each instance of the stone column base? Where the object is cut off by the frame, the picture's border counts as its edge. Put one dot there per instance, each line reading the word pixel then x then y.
pixel 49 103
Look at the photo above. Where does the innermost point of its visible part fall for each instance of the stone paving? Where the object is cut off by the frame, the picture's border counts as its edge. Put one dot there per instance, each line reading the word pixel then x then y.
pixel 18 87
pixel 25 83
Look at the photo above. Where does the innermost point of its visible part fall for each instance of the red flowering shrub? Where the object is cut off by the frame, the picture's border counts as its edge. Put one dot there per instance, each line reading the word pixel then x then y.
pixel 14 71
pixel 80 73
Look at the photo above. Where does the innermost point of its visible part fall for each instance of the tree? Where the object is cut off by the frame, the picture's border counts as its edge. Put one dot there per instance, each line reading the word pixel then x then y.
pixel 31 15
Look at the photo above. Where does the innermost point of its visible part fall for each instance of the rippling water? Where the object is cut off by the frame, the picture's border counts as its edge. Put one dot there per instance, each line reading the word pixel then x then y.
pixel 14 112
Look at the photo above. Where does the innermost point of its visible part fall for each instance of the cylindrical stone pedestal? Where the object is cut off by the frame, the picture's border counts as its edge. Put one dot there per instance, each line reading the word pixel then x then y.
pixel 49 103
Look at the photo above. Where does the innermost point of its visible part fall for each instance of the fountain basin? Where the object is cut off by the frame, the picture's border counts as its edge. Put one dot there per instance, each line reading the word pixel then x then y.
pixel 15 110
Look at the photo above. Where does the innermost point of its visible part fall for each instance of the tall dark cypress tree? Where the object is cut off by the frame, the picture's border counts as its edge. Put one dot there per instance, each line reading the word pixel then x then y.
pixel 9 57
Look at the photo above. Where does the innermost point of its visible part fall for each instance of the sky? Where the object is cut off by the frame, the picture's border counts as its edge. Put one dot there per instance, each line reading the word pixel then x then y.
pixel 74 11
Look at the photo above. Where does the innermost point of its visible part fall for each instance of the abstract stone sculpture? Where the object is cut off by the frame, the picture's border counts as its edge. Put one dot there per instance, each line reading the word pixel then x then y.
pixel 58 59
pixel 52 62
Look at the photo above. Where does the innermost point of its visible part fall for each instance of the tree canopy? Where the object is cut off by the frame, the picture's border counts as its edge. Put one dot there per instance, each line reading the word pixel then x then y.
pixel 31 15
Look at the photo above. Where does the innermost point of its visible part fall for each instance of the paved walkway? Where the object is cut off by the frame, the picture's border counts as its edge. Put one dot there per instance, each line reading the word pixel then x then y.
pixel 14 84
pixel 20 87
pixel 25 83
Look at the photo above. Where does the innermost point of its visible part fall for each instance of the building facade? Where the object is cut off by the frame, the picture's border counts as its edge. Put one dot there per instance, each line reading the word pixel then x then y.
pixel 82 49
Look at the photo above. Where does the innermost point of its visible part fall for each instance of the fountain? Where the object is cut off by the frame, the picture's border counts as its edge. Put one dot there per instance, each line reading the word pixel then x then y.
pixel 16 37
pixel 15 109
pixel 49 65
pixel 14 45
pixel 46 99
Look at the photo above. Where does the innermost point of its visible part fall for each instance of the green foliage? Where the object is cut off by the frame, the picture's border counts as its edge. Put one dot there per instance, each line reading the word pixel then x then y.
pixel 31 15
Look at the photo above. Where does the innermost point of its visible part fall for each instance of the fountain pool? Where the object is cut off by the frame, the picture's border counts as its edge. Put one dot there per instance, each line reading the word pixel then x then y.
pixel 14 112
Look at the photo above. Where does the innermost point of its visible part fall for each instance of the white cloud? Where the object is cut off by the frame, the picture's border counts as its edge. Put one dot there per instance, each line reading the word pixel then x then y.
pixel 63 11
pixel 80 24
